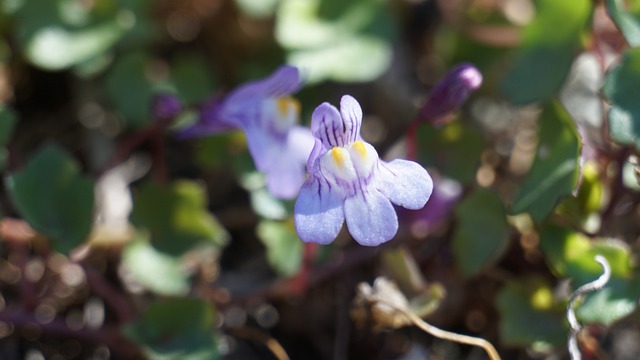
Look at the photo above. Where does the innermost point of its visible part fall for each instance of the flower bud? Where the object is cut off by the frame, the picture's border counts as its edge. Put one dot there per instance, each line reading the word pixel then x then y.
pixel 165 106
pixel 449 95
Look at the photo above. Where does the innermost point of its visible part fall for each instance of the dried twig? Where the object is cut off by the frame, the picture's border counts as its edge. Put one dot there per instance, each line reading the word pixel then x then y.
pixel 595 285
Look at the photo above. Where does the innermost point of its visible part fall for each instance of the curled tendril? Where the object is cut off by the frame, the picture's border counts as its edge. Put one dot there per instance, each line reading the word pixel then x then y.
pixel 595 285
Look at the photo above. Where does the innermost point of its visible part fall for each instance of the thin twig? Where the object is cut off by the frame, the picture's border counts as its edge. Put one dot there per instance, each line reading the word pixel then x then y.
pixel 443 334
pixel 595 285
pixel 261 337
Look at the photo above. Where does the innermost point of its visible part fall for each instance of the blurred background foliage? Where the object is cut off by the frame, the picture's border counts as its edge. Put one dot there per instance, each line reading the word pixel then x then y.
pixel 119 241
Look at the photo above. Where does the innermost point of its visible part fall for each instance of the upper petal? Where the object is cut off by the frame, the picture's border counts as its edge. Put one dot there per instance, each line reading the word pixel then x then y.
pixel 326 125
pixel 404 183
pixel 371 219
pixel 284 81
pixel 351 116
pixel 318 212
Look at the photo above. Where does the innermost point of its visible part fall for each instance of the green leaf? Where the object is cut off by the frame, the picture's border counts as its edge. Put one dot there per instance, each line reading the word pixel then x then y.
pixel 156 271
pixel 8 121
pixel 192 78
pixel 529 315
pixel 58 34
pixel 284 248
pixel 556 168
pixel 482 234
pixel 549 44
pixel 52 195
pixel 572 255
pixel 331 39
pixel 626 15
pixel 621 89
pixel 176 329
pixel 176 216
pixel 130 90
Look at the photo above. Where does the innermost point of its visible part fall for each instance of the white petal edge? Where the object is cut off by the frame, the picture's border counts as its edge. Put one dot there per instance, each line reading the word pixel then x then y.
pixel 405 183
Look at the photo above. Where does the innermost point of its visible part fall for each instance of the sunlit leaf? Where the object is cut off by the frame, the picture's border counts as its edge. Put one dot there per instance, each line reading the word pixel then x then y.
pixel 59 34
pixel 176 216
pixel 481 234
pixel 626 15
pixel 176 329
pixel 556 168
pixel 335 40
pixel 621 89
pixel 549 44
pixel 156 271
pixel 572 255
pixel 52 195
pixel 529 315
pixel 284 248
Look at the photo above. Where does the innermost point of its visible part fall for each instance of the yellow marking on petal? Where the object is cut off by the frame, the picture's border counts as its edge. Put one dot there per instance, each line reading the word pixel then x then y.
pixel 285 104
pixel 338 156
pixel 359 147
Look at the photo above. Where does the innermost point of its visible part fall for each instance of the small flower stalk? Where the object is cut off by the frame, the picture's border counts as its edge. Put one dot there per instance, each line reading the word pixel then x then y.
pixel 348 182
pixel 269 116
pixel 450 93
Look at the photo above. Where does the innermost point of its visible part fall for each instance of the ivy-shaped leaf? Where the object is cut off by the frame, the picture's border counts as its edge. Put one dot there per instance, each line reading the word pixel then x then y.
pixel 529 315
pixel 571 255
pixel 156 271
pixel 336 40
pixel 52 195
pixel 549 44
pixel 626 16
pixel 176 216
pixel 176 329
pixel 482 234
pixel 284 248
pixel 622 90
pixel 556 168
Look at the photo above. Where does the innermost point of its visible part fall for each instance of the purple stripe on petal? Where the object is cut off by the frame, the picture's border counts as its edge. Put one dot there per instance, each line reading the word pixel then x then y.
pixel 351 116
pixel 318 212
pixel 405 183
pixel 371 218
pixel 326 125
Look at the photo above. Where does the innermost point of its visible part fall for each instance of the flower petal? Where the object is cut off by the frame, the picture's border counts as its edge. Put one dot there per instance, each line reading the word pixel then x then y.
pixel 318 212
pixel 262 146
pixel 284 81
pixel 286 173
pixel 351 117
pixel 326 125
pixel 371 219
pixel 405 183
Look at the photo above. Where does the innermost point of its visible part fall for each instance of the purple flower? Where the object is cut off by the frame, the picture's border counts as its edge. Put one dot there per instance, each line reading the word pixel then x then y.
pixel 348 181
pixel 450 93
pixel 165 106
pixel 268 116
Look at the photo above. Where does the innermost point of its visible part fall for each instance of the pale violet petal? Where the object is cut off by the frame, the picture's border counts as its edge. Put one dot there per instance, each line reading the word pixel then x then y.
pixel 285 177
pixel 300 142
pixel 371 219
pixel 262 146
pixel 351 117
pixel 318 212
pixel 404 183
pixel 326 125
pixel 283 82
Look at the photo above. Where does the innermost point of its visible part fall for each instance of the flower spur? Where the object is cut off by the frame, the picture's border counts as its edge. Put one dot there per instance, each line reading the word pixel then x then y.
pixel 348 182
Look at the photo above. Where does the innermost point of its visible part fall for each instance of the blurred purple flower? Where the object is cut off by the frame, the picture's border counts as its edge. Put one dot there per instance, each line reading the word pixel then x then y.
pixel 165 107
pixel 450 93
pixel 268 117
pixel 446 193
pixel 349 182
